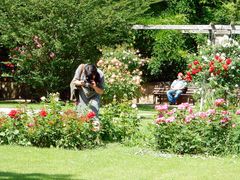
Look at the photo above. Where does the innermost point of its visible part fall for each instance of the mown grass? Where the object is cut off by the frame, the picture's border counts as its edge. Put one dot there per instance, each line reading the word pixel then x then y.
pixel 114 161
pixel 30 105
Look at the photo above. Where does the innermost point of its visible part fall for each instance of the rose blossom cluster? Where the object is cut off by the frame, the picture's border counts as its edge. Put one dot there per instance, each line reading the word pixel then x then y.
pixel 184 113
pixel 218 65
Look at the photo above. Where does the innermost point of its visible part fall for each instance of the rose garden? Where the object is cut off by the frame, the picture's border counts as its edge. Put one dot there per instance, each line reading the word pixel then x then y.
pixel 39 54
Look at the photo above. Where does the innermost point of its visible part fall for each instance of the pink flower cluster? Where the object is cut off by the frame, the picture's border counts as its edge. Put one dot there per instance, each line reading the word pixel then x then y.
pixel 238 112
pixel 161 108
pixel 164 120
pixel 184 113
pixel 219 102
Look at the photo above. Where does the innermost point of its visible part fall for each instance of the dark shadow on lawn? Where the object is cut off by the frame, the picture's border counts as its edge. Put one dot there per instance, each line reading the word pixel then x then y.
pixel 33 176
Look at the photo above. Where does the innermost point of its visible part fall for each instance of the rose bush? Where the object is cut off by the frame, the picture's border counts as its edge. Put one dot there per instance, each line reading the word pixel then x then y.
pixel 49 126
pixel 216 71
pixel 53 125
pixel 183 130
pixel 122 73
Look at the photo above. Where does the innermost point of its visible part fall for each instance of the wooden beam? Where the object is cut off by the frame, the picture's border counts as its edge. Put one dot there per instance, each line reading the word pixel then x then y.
pixel 187 27
pixel 228 32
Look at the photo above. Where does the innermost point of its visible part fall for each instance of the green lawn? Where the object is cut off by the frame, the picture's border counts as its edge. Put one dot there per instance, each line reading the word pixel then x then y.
pixel 111 162
pixel 17 104
pixel 114 161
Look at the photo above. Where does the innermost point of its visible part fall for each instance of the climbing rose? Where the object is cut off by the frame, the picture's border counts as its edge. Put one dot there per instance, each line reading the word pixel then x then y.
pixel 225 67
pixel 195 62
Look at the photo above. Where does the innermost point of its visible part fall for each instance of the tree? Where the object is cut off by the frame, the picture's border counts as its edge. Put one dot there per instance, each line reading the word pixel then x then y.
pixel 49 39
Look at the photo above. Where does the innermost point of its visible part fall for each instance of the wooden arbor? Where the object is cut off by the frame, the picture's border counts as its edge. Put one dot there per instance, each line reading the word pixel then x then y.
pixel 217 33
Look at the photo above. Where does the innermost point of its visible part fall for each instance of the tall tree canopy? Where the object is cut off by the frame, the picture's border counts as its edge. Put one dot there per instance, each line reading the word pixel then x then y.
pixel 48 39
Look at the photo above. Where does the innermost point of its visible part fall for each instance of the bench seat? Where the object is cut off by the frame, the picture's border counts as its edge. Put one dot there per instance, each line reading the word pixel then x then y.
pixel 160 95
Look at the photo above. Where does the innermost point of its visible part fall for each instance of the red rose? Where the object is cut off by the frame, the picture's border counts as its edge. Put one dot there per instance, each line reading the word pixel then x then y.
pixel 196 62
pixel 43 113
pixel 13 113
pixel 188 77
pixel 194 71
pixel 91 115
pixel 211 69
pixel 211 63
pixel 200 68
pixel 228 61
pixel 217 57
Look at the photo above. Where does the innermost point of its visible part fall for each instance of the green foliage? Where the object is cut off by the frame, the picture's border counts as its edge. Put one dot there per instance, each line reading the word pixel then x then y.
pixel 179 12
pixel 120 122
pixel 167 49
pixel 228 13
pixel 168 54
pixel 49 39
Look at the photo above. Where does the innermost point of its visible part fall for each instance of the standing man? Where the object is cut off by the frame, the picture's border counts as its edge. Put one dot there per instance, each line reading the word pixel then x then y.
pixel 178 86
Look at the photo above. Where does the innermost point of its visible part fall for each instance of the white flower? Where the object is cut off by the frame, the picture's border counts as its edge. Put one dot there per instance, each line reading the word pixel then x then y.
pixel 56 99
pixel 209 42
pixel 43 98
pixel 134 106
pixel 205 58
pixel 236 85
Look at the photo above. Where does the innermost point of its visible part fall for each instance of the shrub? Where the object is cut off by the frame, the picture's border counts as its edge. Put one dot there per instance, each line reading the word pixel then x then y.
pixel 49 39
pixel 210 132
pixel 119 121
pixel 122 74
pixel 216 71
pixel 54 126
pixel 50 126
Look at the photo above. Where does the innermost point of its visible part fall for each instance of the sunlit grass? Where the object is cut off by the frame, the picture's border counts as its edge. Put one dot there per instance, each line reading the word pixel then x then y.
pixel 111 162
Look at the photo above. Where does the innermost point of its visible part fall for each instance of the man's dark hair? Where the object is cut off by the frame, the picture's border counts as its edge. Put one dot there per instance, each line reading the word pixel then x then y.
pixel 90 71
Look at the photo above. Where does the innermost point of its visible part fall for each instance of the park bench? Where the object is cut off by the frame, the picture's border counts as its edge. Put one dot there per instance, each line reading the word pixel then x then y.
pixel 160 94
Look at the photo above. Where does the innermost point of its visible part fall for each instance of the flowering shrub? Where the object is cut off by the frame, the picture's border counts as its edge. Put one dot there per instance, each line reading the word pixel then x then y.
pixel 122 74
pixel 66 128
pixel 216 71
pixel 181 130
pixel 50 126
pixel 119 121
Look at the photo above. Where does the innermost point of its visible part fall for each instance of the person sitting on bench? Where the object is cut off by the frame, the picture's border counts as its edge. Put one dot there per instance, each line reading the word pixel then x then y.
pixel 178 87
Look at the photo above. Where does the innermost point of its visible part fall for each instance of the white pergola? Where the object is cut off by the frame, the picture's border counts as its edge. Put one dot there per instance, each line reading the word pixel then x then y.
pixel 216 32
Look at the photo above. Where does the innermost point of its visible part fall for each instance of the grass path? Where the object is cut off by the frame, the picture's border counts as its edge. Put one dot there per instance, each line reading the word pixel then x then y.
pixel 111 162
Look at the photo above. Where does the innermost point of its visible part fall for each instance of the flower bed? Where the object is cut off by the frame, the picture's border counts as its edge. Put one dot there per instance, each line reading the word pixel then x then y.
pixel 214 131
pixel 53 126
